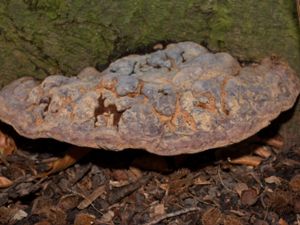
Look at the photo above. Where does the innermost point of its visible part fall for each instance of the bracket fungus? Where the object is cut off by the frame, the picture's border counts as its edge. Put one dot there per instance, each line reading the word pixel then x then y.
pixel 182 99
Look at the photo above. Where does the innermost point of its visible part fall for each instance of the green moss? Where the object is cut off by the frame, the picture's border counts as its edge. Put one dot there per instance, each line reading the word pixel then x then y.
pixel 41 37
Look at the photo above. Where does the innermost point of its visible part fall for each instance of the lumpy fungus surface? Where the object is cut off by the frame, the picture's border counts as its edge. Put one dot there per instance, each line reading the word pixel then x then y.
pixel 182 99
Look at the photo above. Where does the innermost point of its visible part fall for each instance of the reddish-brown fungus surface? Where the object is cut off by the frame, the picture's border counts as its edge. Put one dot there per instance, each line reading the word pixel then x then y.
pixel 182 99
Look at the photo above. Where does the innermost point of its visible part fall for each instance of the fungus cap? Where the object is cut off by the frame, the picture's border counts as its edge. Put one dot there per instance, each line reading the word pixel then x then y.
pixel 182 99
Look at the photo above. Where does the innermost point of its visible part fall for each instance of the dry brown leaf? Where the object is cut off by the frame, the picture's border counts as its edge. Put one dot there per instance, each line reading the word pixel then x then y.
pixel 282 222
pixel 137 173
pixel 263 152
pixel 247 160
pixel 118 184
pixel 297 205
pixel 6 214
pixel 107 217
pixel 69 201
pixel 119 175
pixel 158 210
pixel 5 182
pixel 273 180
pixel 240 187
pixel 84 219
pixel 295 183
pixel 201 181
pixel 238 213
pixel 92 197
pixel 7 145
pixel 212 216
pixel 41 205
pixel 249 196
pixel 275 142
pixel 290 162
pixel 232 220
pixel 71 157
pixel 20 214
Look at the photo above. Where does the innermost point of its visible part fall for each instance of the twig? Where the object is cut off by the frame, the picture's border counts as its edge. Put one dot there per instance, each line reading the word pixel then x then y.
pixel 221 180
pixel 118 194
pixel 172 214
pixel 92 197
pixel 85 197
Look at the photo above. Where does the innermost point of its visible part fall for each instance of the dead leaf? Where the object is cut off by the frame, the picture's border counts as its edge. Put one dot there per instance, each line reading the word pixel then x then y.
pixel 92 197
pixel 5 182
pixel 212 216
pixel 263 152
pixel 118 184
pixel 290 162
pixel 119 175
pixel 232 220
pixel 136 172
pixel 275 142
pixel 107 217
pixel 41 205
pixel 72 156
pixel 201 181
pixel 249 196
pixel 68 202
pixel 6 214
pixel 297 205
pixel 84 219
pixel 159 209
pixel 295 183
pixel 278 200
pixel 7 145
pixel 247 160
pixel 282 222
pixel 20 214
pixel 240 187
pixel 273 180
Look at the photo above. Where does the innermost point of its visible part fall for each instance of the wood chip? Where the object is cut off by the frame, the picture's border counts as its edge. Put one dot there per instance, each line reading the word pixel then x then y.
pixel 92 197
pixel 71 157
pixel 282 222
pixel 7 145
pixel 201 181
pixel 273 180
pixel 212 216
pixel 295 183
pixel 249 197
pixel 5 182
pixel 275 142
pixel 240 187
pixel 84 219
pixel 247 160
pixel 263 152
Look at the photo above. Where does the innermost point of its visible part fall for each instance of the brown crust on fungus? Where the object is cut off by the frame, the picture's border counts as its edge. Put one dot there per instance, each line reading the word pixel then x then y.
pixel 182 99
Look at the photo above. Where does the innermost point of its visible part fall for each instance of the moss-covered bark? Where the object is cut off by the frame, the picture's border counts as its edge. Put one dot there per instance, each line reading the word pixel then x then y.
pixel 41 37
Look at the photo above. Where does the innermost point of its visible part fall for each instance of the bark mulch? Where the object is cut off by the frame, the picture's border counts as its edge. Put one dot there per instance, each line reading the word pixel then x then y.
pixel 248 183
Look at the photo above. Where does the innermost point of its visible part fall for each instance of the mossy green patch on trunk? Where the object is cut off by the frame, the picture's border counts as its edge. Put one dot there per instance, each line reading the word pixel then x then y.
pixel 41 37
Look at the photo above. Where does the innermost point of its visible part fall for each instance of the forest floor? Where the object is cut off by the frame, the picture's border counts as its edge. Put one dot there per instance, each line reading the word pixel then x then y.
pixel 248 183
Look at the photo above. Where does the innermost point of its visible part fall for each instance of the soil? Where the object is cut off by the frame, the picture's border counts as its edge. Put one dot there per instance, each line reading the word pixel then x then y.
pixel 135 187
